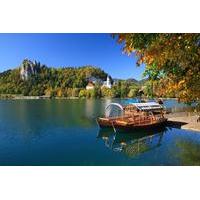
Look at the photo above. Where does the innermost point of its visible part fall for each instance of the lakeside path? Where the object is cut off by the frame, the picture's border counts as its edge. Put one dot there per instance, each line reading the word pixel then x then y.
pixel 184 120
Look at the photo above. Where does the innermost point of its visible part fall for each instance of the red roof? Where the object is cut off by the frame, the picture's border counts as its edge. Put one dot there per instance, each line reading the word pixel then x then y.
pixel 90 84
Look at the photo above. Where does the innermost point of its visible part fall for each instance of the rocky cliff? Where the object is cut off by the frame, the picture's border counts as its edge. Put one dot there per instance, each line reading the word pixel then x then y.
pixel 29 68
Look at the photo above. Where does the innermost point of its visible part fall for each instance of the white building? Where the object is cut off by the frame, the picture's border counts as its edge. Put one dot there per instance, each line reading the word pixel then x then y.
pixel 107 83
pixel 90 86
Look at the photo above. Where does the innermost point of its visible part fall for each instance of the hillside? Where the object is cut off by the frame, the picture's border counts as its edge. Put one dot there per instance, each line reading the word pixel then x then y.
pixel 34 79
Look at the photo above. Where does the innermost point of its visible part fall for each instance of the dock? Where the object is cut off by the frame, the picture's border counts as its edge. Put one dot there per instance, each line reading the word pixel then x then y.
pixel 184 120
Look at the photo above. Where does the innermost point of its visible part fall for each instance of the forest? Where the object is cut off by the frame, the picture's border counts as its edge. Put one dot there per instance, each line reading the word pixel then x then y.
pixel 62 82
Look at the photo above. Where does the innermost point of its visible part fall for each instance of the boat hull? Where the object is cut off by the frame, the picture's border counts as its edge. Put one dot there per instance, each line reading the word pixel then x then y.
pixel 115 125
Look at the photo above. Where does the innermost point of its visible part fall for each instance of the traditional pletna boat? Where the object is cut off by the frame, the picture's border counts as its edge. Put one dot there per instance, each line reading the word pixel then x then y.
pixel 133 116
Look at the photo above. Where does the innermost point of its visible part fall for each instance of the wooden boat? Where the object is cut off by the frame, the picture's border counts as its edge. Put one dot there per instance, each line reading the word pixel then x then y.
pixel 133 116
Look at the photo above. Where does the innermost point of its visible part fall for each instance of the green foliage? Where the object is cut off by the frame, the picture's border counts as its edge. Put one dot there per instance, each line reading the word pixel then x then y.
pixel 61 82
pixel 92 93
pixel 133 92
pixel 171 59
pixel 106 92
pixel 82 93
pixel 125 89
pixel 75 92
pixel 148 89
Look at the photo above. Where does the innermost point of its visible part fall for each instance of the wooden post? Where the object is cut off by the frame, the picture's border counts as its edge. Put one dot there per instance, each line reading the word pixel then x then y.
pixel 113 127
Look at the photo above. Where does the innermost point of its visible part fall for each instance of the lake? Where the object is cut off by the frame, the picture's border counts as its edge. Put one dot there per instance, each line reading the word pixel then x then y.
pixel 64 132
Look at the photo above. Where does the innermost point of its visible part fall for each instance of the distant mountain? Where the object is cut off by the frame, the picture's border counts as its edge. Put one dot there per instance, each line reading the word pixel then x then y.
pixel 143 81
pixel 131 80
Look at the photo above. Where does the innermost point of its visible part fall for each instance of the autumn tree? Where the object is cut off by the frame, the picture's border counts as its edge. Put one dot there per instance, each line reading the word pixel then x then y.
pixel 173 59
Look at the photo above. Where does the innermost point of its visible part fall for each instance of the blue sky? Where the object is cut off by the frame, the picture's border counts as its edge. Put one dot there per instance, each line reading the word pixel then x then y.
pixel 59 50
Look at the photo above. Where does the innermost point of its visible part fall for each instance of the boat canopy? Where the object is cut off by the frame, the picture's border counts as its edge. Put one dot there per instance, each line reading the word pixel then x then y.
pixel 147 106
pixel 114 110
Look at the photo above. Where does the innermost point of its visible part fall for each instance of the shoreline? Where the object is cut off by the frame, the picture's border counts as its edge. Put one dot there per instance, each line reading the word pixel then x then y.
pixel 16 97
pixel 184 120
pixel 21 97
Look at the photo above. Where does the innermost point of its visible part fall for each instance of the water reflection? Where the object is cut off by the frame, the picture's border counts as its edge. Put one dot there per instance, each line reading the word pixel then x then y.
pixel 188 153
pixel 132 144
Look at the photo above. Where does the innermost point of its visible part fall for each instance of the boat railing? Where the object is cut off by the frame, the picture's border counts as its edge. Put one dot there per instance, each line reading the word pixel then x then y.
pixel 142 119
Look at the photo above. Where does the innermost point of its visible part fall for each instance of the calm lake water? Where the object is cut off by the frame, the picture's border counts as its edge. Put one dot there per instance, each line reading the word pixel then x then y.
pixel 64 132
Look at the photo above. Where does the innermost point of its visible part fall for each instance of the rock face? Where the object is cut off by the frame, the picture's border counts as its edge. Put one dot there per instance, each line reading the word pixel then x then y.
pixel 29 68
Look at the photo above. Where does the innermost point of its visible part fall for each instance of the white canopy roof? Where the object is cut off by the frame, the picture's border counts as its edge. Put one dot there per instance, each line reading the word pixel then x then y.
pixel 147 106
pixel 114 110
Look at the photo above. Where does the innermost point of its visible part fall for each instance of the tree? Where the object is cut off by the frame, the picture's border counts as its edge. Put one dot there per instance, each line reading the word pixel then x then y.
pixel 53 82
pixel 173 59
pixel 124 89
pixel 82 93
pixel 106 92
pixel 75 92
pixel 59 92
pixel 133 92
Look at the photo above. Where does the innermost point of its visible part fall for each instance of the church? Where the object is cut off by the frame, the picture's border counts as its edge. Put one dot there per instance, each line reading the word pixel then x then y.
pixel 107 83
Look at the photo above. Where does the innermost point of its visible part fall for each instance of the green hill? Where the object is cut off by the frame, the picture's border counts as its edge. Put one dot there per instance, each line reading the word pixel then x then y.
pixel 34 79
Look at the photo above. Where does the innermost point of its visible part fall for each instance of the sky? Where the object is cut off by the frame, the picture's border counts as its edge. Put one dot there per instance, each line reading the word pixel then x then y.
pixel 63 50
